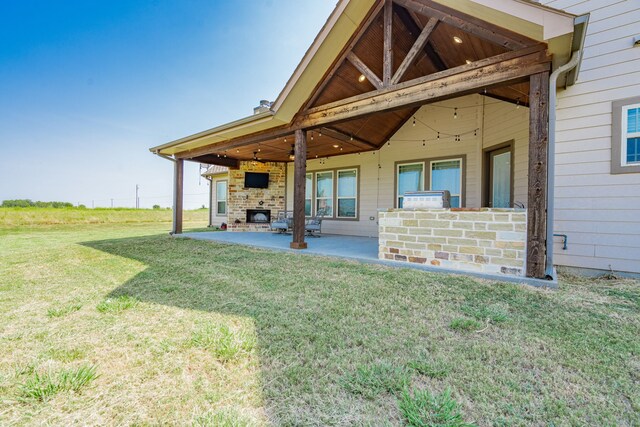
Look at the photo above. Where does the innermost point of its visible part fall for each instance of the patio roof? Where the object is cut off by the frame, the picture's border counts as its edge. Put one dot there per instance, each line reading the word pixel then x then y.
pixel 350 44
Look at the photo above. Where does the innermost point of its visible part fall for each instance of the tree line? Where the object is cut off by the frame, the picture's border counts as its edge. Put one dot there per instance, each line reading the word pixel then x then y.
pixel 28 203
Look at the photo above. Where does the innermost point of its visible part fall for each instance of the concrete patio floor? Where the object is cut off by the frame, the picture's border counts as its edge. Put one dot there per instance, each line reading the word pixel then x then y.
pixel 362 249
pixel 352 247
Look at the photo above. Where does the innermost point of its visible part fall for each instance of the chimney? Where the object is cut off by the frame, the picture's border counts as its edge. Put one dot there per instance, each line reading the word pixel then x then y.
pixel 264 106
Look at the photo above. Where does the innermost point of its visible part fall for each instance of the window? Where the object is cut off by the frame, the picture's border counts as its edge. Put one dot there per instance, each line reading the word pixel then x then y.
pixel 221 197
pixel 347 193
pixel 410 178
pixel 324 192
pixel 447 175
pixel 631 134
pixel 308 195
pixel 625 141
pixel 334 191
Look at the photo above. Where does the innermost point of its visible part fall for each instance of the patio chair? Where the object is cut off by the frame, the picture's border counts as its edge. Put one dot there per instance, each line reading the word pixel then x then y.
pixel 283 223
pixel 313 227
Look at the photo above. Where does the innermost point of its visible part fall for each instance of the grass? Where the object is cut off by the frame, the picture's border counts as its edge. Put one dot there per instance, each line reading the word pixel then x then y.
pixel 373 380
pixel 20 217
pixel 222 342
pixel 42 386
pixel 117 304
pixel 465 325
pixel 63 310
pixel 227 335
pixel 430 368
pixel 424 409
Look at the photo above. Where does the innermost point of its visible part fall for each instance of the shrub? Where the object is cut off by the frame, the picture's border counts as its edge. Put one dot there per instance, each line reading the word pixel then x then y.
pixel 156 207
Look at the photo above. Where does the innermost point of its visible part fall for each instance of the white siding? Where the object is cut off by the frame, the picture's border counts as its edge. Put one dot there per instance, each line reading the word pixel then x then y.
pixel 496 122
pixel 599 212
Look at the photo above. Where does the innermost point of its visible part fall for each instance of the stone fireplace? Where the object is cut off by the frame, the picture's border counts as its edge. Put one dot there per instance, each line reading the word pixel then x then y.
pixel 248 207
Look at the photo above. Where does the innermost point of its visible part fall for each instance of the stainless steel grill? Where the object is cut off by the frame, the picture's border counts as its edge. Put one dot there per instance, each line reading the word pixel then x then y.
pixel 426 199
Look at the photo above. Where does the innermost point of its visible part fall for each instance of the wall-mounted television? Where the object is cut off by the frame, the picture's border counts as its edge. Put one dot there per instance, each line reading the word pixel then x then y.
pixel 256 180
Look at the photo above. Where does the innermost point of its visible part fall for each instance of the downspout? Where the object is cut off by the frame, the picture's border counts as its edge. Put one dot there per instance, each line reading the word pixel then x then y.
pixel 551 175
pixel 175 192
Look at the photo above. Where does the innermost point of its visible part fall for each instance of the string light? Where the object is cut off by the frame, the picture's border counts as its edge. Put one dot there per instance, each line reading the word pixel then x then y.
pixel 414 120
pixel 312 136
pixel 424 143
pixel 517 103
pixel 455 113
pixel 438 135
pixel 351 138
pixel 319 133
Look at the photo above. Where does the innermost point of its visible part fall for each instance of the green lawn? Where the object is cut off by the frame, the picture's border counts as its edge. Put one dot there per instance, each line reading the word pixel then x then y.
pixel 120 324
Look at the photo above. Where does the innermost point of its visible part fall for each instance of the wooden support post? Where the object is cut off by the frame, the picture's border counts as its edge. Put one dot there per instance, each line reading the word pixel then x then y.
pixel 387 64
pixel 178 179
pixel 538 156
pixel 299 183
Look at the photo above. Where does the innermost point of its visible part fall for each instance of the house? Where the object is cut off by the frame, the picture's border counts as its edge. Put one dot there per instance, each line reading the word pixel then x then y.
pixel 527 113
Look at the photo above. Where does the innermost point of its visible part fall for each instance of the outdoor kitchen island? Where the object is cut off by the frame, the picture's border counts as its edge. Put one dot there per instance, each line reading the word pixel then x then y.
pixel 488 240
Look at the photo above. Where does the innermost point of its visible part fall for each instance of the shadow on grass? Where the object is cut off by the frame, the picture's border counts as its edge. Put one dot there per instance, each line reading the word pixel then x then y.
pixel 319 319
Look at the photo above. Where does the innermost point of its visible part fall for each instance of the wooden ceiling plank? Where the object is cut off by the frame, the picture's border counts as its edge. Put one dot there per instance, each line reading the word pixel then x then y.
pixel 467 23
pixel 210 159
pixel 417 47
pixel 366 71
pixel 336 65
pixel 257 137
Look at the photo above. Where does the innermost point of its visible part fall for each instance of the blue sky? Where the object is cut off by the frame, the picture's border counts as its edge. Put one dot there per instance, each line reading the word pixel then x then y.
pixel 86 87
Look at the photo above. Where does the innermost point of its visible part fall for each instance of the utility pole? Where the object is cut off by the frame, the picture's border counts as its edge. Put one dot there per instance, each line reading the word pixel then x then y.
pixel 137 198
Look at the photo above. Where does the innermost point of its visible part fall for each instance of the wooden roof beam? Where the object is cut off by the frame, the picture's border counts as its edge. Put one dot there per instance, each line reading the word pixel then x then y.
pixel 467 23
pixel 341 136
pixel 411 22
pixel 366 71
pixel 387 57
pixel 502 69
pixel 417 47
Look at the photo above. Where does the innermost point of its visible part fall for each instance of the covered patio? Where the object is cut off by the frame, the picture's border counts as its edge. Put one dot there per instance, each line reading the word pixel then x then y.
pixel 376 69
